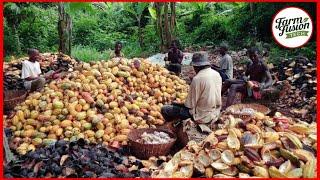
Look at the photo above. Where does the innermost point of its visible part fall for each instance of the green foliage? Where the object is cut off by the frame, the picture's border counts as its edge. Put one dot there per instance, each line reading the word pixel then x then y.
pixel 86 54
pixel 277 53
pixel 37 28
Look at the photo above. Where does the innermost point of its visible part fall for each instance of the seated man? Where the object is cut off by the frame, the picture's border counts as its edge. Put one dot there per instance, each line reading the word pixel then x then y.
pixel 31 72
pixel 174 59
pixel 226 64
pixel 203 102
pixel 117 51
pixel 259 79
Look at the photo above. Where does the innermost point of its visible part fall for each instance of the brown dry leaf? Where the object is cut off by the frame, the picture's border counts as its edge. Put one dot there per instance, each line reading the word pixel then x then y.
pixel 48 175
pixel 63 159
pixel 68 171
pixel 37 167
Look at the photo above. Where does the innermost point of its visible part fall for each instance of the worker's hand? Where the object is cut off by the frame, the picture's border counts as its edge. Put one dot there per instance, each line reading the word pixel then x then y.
pixel 245 78
pixel 262 86
pixel 255 86
pixel 30 78
pixel 250 84
pixel 48 76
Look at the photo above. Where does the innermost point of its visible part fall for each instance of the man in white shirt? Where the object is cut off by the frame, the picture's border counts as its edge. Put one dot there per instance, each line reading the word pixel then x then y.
pixel 203 102
pixel 31 72
pixel 226 64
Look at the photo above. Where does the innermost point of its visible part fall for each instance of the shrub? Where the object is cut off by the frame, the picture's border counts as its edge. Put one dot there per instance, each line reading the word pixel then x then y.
pixel 86 54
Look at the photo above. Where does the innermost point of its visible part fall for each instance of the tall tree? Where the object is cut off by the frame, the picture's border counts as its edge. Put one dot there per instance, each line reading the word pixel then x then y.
pixel 165 15
pixel 66 10
pixel 65 30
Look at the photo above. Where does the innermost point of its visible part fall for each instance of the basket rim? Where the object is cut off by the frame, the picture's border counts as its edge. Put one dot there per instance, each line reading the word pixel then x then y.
pixel 249 105
pixel 171 134
pixel 24 93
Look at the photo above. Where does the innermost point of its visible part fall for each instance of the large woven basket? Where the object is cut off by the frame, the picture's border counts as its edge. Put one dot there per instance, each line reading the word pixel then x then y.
pixel 182 136
pixel 238 107
pixel 145 151
pixel 12 98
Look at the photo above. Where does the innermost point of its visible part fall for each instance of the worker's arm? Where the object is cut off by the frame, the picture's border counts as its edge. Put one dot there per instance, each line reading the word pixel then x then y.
pixel 247 69
pixel 180 57
pixel 217 68
pixel 30 78
pixel 192 98
pixel 267 80
pixel 247 72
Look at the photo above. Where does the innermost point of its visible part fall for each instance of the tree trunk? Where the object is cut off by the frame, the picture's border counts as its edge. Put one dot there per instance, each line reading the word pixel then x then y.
pixel 140 34
pixel 65 30
pixel 17 38
pixel 166 25
pixel 254 27
pixel 251 8
pixel 172 19
pixel 159 28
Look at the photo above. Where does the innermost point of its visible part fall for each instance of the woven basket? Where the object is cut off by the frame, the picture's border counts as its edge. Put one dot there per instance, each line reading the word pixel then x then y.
pixel 168 126
pixel 183 138
pixel 12 98
pixel 145 151
pixel 237 107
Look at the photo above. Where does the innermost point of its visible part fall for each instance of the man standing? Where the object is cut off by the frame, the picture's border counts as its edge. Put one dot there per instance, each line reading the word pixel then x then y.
pixel 203 102
pixel 174 59
pixel 257 77
pixel 226 64
pixel 31 72
pixel 117 51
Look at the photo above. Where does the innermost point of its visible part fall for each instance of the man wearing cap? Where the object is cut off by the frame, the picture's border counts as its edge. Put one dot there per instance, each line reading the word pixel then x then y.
pixel 203 102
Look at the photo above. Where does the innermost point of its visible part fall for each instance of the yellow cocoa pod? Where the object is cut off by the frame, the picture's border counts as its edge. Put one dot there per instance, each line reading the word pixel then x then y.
pixel 15 120
pixel 20 115
pixel 52 136
pixel 120 138
pixel 59 131
pixel 66 123
pixel 28 133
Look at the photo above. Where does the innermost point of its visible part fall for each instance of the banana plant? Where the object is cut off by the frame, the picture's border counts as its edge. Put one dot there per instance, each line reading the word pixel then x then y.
pixel 165 16
pixel 66 10
pixel 136 10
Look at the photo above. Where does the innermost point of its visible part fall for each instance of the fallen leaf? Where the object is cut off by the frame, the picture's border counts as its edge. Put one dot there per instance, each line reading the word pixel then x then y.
pixel 63 159
pixel 37 167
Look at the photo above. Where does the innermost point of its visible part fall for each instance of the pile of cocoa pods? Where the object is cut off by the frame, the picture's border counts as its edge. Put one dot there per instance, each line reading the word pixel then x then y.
pixel 50 61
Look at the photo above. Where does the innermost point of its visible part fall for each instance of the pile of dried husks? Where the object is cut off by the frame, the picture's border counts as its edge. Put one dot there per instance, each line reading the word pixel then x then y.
pixel 261 147
pixel 51 61
pixel 301 99
pixel 99 102
pixel 76 159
